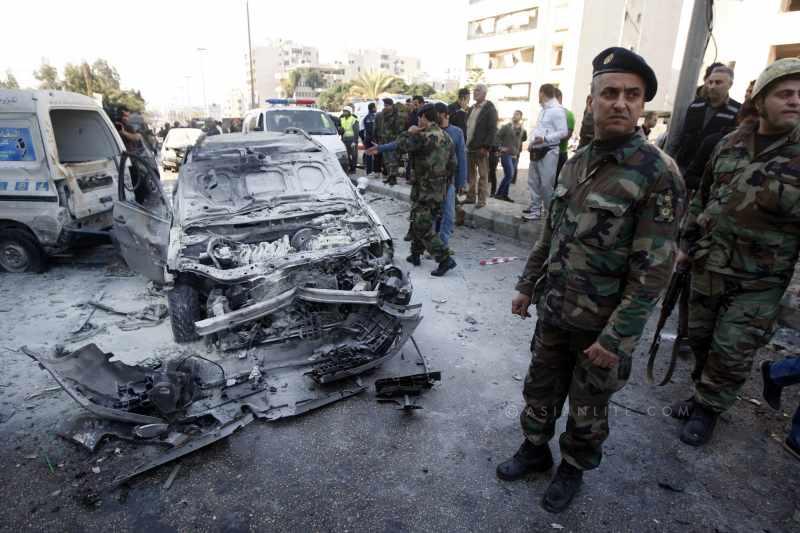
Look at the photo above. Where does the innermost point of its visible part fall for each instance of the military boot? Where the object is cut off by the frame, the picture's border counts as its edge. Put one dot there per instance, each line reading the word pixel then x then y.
pixel 414 259
pixel 700 426
pixel 529 458
pixel 563 488
pixel 682 410
pixel 444 266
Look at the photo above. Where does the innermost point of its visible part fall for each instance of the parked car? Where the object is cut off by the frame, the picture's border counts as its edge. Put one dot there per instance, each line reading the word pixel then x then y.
pixel 58 164
pixel 267 242
pixel 315 122
pixel 177 141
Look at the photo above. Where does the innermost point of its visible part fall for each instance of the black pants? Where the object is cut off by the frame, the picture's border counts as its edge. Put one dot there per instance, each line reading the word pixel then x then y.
pixel 494 159
pixel 351 145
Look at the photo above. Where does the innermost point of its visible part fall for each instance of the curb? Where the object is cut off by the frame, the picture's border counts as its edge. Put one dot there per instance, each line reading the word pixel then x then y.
pixel 514 227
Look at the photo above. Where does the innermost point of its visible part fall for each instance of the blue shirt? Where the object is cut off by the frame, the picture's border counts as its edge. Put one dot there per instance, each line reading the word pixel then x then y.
pixel 457 136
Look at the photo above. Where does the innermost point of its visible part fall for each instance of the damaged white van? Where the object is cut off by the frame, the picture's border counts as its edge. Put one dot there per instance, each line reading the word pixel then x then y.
pixel 58 162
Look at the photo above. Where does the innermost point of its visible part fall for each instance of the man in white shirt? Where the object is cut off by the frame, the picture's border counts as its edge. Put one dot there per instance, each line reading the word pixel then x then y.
pixel 550 128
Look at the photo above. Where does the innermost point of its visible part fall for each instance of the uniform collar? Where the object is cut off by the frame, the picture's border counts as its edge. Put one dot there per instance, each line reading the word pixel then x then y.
pixel 745 135
pixel 629 147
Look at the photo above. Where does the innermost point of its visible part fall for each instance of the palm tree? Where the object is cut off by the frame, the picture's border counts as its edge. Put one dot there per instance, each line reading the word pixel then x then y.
pixel 370 85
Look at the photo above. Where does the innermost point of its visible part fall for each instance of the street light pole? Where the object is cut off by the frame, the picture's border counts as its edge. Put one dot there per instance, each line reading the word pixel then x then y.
pixel 250 55
pixel 203 77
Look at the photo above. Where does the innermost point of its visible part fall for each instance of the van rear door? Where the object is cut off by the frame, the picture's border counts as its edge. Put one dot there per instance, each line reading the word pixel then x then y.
pixel 88 153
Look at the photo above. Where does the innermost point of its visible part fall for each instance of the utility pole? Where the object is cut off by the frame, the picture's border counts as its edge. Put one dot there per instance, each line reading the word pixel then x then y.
pixel 696 43
pixel 250 55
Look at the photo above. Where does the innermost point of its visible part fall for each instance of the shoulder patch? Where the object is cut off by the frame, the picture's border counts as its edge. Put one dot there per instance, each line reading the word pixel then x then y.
pixel 665 207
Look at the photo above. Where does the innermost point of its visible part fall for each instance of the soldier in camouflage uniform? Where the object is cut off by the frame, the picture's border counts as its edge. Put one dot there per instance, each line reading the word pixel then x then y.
pixel 388 128
pixel 434 164
pixel 743 236
pixel 604 257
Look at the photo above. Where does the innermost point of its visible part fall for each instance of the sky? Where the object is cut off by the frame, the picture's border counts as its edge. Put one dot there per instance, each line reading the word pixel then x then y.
pixel 153 43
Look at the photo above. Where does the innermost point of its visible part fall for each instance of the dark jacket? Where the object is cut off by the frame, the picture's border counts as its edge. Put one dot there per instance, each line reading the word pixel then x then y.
pixel 458 117
pixel 485 127
pixel 702 156
pixel 724 120
pixel 369 129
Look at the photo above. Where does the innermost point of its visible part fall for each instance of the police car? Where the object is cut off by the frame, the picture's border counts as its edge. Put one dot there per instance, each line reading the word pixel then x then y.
pixel 283 113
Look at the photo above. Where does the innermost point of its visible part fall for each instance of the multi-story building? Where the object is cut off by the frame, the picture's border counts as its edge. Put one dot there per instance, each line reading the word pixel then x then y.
pixel 272 61
pixel 235 104
pixel 360 61
pixel 514 46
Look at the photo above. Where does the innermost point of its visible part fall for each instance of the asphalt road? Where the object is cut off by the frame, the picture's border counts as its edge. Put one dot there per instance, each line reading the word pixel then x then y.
pixel 362 466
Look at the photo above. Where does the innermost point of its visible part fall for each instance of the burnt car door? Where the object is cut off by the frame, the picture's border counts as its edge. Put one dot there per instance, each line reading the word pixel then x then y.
pixel 142 217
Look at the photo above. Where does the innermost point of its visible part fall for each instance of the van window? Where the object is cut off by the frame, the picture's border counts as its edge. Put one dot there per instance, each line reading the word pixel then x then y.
pixel 82 136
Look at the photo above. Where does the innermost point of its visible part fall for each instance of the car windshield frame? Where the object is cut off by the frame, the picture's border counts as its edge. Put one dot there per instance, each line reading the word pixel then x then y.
pixel 299 118
pixel 185 135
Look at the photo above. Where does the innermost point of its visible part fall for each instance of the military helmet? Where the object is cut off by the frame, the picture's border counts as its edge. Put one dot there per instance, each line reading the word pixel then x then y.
pixel 778 69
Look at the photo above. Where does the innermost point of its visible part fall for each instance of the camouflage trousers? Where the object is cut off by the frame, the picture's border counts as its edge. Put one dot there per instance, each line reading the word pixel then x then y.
pixel 559 369
pixel 424 214
pixel 729 320
pixel 391 163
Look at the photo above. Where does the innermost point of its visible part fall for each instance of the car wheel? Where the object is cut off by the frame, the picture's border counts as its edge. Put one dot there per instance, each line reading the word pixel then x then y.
pixel 20 252
pixel 184 311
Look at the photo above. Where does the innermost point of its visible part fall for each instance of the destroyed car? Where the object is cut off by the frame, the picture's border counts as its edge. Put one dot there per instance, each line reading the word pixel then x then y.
pixel 267 240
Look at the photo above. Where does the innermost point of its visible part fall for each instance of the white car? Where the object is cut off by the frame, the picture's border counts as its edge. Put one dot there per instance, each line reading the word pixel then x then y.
pixel 175 145
pixel 315 122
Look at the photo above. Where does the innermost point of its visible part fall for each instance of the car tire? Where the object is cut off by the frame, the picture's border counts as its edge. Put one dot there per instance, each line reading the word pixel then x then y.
pixel 184 311
pixel 20 252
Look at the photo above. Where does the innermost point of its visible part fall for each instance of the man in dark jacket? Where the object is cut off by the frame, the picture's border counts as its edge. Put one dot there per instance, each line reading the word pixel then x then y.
pixel 456 110
pixel 368 136
pixel 481 132
pixel 713 114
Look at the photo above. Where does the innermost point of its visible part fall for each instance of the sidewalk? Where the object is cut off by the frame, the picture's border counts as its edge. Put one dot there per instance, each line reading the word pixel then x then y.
pixel 497 216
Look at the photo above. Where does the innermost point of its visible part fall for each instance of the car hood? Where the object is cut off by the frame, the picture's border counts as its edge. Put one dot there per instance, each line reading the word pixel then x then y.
pixel 332 142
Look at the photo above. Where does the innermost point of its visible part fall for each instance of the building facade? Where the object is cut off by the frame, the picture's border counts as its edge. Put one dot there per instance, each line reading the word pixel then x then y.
pixel 360 61
pixel 271 63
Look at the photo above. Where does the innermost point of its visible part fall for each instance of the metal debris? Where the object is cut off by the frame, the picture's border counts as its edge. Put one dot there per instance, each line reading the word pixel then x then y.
pixel 171 479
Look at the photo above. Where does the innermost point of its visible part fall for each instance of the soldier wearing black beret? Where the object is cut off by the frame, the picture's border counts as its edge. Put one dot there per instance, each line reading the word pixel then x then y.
pixel 603 259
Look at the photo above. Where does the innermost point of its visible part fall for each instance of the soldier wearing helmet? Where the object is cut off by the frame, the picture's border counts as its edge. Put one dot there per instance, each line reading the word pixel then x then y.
pixel 742 237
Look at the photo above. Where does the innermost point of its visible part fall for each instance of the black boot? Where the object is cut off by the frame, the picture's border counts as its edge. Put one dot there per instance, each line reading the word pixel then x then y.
pixel 563 488
pixel 682 410
pixel 407 238
pixel 771 391
pixel 529 458
pixel 444 266
pixel 414 260
pixel 700 426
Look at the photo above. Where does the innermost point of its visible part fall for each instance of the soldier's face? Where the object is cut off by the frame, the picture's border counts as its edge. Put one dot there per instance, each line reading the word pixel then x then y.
pixel 780 108
pixel 617 102
pixel 717 85
pixel 423 122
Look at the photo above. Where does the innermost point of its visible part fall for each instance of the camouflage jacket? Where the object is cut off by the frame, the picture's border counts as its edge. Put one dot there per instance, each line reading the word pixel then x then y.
pixel 389 126
pixel 434 162
pixel 744 221
pixel 608 246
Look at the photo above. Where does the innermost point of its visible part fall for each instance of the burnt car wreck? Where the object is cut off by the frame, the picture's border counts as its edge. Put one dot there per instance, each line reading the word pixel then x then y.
pixel 265 248
pixel 268 241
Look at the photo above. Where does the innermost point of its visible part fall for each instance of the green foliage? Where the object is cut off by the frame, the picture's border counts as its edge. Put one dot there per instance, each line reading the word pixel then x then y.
pixel 99 77
pixel 48 77
pixel 446 96
pixel 423 89
pixel 371 85
pixel 398 86
pixel 10 81
pixel 474 77
pixel 333 98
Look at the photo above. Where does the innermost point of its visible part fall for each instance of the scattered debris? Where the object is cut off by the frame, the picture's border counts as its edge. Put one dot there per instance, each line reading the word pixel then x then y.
pixel 149 316
pixel 42 392
pixel 517 377
pixel 96 469
pixel 470 319
pixel 670 486
pixel 440 300
pixel 555 525
pixel 497 260
pixel 171 479
pixel 406 386
pixel 631 409
pixel 754 401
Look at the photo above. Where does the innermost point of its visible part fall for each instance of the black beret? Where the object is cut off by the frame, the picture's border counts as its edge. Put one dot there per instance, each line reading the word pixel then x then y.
pixel 617 59
pixel 388 101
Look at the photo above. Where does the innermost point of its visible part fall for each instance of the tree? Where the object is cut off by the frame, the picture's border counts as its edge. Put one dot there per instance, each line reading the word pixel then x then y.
pixel 475 77
pixel 333 98
pixel 11 81
pixel 48 77
pixel 371 85
pixel 398 86
pixel 102 78
pixel 291 82
pixel 313 78
pixel 422 89
pixel 446 96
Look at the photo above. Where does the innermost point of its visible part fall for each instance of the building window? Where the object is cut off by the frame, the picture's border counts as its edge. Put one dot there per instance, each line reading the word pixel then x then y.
pixel 501 24
pixel 558 55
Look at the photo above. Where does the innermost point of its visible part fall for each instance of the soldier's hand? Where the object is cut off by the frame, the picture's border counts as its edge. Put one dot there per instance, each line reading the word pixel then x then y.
pixel 601 357
pixel 414 129
pixel 372 150
pixel 520 304
pixel 683 257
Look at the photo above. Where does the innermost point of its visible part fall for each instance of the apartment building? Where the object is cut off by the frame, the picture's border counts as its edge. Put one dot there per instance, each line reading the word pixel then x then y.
pixel 272 61
pixel 360 61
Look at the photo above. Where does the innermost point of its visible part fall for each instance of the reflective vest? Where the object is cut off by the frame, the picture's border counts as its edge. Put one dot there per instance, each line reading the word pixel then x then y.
pixel 347 125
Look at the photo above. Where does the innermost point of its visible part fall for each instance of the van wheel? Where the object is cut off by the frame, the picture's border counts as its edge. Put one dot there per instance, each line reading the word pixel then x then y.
pixel 20 252
pixel 184 311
